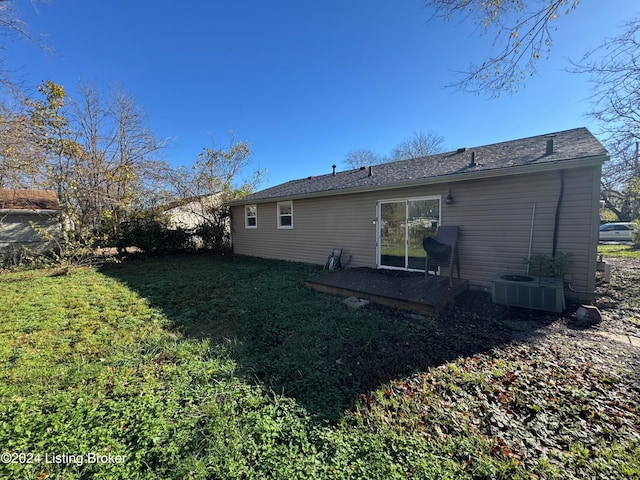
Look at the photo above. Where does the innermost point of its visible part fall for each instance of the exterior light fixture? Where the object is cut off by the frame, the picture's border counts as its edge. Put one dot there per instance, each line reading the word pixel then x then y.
pixel 449 199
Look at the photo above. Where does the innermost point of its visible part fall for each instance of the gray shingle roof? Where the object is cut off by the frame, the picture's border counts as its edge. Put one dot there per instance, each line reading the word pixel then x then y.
pixel 567 145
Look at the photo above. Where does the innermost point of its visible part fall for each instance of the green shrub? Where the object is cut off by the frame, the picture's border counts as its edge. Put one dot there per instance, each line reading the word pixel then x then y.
pixel 150 232
pixel 14 256
pixel 546 266
pixel 214 232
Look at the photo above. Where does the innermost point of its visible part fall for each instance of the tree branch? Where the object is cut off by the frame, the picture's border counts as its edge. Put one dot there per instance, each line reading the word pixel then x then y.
pixel 524 40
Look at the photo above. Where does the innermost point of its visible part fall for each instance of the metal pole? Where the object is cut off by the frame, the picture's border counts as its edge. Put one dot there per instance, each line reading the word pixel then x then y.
pixel 533 216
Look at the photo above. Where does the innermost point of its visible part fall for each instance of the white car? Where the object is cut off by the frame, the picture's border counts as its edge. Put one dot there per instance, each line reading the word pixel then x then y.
pixel 617 232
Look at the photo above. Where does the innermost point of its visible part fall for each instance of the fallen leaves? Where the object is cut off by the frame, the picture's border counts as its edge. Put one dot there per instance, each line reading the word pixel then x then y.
pixel 560 398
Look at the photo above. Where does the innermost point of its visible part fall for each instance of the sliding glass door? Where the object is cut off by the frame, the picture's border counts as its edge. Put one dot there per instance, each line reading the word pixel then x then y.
pixel 392 234
pixel 402 224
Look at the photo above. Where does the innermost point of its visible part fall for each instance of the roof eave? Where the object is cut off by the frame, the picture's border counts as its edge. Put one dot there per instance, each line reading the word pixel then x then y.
pixel 581 162
pixel 22 211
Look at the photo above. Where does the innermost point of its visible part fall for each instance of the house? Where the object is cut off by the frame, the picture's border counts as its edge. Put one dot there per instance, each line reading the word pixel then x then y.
pixel 21 211
pixel 205 217
pixel 192 212
pixel 510 200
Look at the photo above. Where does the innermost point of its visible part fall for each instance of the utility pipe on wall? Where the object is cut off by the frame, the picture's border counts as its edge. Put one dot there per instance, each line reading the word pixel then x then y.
pixel 556 225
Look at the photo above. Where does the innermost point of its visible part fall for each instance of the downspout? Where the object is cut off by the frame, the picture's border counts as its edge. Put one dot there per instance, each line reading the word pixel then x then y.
pixel 556 225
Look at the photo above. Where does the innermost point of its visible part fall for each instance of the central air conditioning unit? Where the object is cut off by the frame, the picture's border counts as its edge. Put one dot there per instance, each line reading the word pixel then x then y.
pixel 528 291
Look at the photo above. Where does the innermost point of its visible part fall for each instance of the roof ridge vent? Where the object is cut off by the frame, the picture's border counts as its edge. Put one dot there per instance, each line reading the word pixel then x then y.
pixel 461 150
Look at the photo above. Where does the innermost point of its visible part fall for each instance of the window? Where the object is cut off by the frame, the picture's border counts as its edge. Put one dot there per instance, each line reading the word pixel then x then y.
pixel 250 216
pixel 285 214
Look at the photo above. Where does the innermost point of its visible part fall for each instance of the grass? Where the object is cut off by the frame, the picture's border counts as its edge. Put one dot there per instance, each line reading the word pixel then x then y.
pixel 228 367
pixel 622 250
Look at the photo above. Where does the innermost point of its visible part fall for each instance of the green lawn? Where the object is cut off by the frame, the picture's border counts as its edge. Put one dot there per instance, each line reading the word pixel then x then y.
pixel 228 367
pixel 625 250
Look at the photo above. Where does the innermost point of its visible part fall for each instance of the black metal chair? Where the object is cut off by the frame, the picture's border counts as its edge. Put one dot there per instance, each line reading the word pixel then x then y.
pixel 442 251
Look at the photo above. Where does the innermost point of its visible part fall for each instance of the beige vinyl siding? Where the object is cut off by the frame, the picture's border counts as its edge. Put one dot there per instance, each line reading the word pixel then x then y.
pixel 495 218
pixel 319 226
pixel 494 215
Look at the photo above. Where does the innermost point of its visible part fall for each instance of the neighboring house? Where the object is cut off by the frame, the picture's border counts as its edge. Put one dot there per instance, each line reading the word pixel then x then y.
pixel 510 200
pixel 190 213
pixel 21 211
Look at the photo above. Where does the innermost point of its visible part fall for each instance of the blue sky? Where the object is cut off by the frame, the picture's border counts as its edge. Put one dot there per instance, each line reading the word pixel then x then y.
pixel 304 82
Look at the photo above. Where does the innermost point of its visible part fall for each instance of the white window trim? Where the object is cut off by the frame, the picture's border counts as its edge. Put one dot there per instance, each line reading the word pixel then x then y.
pixel 247 216
pixel 280 226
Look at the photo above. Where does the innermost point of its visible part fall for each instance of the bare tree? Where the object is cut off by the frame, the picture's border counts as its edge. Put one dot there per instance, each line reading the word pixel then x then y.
pixel 51 131
pixel 97 153
pixel 10 23
pixel 621 185
pixel 130 160
pixel 218 176
pixel 20 157
pixel 419 144
pixel 11 28
pixel 230 170
pixel 361 157
pixel 613 69
pixel 522 32
pixel 92 119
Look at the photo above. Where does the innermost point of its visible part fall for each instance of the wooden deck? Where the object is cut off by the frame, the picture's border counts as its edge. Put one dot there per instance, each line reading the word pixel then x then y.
pixel 393 288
